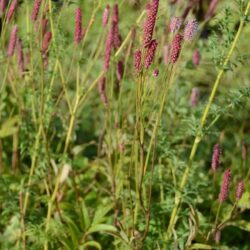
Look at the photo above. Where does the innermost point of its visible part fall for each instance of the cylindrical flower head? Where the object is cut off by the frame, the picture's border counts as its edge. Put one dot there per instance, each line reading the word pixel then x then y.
pixel 12 41
pixel 216 157
pixel 175 24
pixel 78 25
pixel 176 48
pixel 36 8
pixel 102 87
pixel 115 21
pixel 115 14
pixel 137 60
pixel 155 73
pixel 190 30
pixel 239 190
pixel 3 5
pixel 194 98
pixel 196 57
pixel 20 57
pixel 244 151
pixel 108 47
pixel 12 9
pixel 150 54
pixel 119 70
pixel 44 26
pixel 150 23
pixel 166 54
pixel 224 190
pixel 46 41
pixel 105 17
pixel 211 8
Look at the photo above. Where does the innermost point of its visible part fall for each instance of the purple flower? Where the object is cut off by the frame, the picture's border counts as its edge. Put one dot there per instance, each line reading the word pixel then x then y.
pixel 119 70
pixel 12 9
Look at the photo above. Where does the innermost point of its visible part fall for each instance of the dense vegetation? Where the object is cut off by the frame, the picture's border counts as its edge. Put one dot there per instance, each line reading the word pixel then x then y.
pixel 124 124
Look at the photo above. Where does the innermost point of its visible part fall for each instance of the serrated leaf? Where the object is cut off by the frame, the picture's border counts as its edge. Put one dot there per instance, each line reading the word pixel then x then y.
pixel 101 227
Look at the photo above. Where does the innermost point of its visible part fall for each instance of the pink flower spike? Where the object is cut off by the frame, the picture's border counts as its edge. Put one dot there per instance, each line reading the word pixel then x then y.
pixel 12 9
pixel 216 157
pixel 119 70
pixel 105 17
pixel 108 47
pixel 78 26
pixel 190 30
pixel 102 87
pixel 137 60
pixel 46 41
pixel 36 8
pixel 211 9
pixel 194 98
pixel 175 24
pixel 20 57
pixel 3 5
pixel 176 48
pixel 224 190
pixel 239 190
pixel 150 22
pixel 12 41
pixel 196 57
pixel 150 54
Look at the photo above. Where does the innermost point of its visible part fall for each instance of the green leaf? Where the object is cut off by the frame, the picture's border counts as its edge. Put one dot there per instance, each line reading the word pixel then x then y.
pixel 85 215
pixel 242 224
pixel 91 244
pixel 244 202
pixel 101 227
pixel 200 246
pixel 100 214
pixel 9 127
pixel 74 231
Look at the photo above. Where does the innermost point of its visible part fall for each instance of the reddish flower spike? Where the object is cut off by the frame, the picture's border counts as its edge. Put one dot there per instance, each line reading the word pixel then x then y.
pixel 102 87
pixel 137 60
pixel 176 48
pixel 150 54
pixel 78 26
pixel 196 57
pixel 216 157
pixel 239 190
pixel 12 9
pixel 36 8
pixel 150 22
pixel 46 41
pixel 105 17
pixel 12 41
pixel 190 30
pixel 224 191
